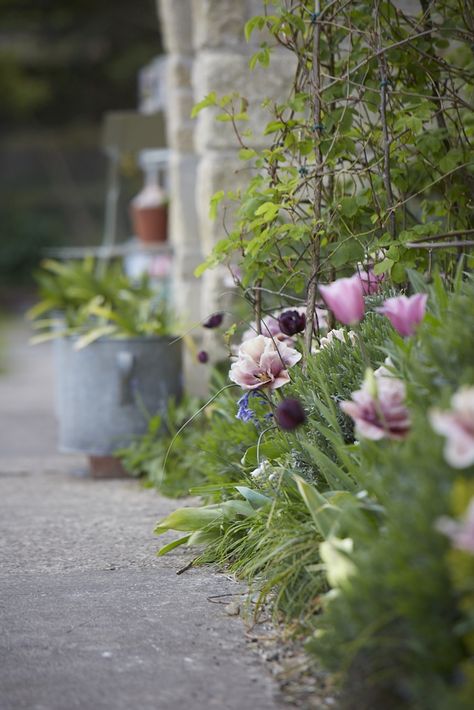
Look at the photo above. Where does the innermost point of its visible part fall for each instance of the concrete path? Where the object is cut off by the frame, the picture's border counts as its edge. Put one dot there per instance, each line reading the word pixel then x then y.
pixel 90 619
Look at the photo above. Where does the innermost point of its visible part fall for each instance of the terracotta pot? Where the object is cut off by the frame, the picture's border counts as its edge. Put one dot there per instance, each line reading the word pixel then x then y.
pixel 106 467
pixel 150 223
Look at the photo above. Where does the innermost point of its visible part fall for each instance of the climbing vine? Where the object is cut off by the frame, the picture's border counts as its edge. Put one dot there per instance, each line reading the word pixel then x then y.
pixel 369 159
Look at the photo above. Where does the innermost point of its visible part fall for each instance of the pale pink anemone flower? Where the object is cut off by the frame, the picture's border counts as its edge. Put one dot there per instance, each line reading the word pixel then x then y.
pixel 460 533
pixel 370 281
pixel 345 298
pixel 261 362
pixel 270 325
pixel 457 425
pixel 378 408
pixel 405 313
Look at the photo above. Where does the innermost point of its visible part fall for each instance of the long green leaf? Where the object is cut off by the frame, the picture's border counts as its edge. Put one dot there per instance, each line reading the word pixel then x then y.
pixel 320 510
pixel 189 519
pixel 335 475
pixel 171 545
pixel 94 335
pixel 257 500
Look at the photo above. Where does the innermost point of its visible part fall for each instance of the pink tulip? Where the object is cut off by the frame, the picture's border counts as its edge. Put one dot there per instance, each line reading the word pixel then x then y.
pixel 405 313
pixel 345 298
pixel 262 362
pixel 460 533
pixel 370 281
pixel 378 408
pixel 457 425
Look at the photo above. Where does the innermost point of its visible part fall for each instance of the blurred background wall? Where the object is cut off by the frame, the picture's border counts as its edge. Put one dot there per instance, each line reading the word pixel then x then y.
pixel 63 63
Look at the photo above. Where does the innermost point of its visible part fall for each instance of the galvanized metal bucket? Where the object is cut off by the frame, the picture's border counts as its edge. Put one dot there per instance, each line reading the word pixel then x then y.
pixel 106 392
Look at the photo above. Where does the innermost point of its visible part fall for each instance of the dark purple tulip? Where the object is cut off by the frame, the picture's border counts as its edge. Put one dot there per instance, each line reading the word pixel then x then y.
pixel 289 414
pixel 292 322
pixel 214 321
pixel 203 356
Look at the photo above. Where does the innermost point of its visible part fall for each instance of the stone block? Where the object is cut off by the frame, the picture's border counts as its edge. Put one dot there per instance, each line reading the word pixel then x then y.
pixel 186 299
pixel 218 23
pixel 187 258
pixel 183 218
pixel 179 125
pixel 217 171
pixel 176 22
pixel 179 71
pixel 225 72
pixel 196 375
pixel 217 296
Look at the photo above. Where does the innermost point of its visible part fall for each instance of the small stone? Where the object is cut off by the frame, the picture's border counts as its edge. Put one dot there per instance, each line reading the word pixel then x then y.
pixel 232 609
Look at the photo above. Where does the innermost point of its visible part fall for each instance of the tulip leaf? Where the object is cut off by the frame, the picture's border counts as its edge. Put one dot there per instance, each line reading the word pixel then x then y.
pixel 335 475
pixel 256 499
pixel 172 545
pixel 189 519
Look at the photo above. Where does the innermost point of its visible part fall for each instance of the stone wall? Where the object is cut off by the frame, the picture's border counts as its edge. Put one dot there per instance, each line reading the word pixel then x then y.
pixel 208 52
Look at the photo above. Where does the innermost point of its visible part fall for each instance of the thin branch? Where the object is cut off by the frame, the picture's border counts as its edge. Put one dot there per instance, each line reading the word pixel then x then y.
pixel 439 245
pixel 383 74
pixel 318 184
pixel 445 235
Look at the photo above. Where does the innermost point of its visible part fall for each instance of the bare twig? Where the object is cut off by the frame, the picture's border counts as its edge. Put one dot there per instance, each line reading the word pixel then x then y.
pixel 318 183
pixel 383 73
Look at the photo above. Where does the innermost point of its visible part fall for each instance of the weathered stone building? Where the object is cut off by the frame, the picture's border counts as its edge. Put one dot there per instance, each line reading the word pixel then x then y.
pixel 207 51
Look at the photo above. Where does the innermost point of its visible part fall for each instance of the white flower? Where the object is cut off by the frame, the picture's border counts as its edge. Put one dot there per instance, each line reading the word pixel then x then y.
pixel 338 334
pixel 262 472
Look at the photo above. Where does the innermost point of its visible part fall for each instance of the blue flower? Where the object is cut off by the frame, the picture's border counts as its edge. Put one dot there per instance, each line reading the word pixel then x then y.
pixel 244 413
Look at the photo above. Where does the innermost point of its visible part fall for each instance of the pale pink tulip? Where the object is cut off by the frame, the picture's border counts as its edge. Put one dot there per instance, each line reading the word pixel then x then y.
pixel 461 533
pixel 457 425
pixel 378 408
pixel 405 313
pixel 370 281
pixel 263 362
pixel 345 298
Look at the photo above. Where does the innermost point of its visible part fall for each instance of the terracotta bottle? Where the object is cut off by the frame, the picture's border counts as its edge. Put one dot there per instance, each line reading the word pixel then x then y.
pixel 149 209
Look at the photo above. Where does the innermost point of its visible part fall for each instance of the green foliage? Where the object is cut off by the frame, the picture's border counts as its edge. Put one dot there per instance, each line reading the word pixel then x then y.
pixel 370 153
pixel 103 47
pixel 320 512
pixel 225 442
pixel 170 466
pixel 91 300
pixel 277 548
pixel 368 160
pixel 23 92
pixel 400 629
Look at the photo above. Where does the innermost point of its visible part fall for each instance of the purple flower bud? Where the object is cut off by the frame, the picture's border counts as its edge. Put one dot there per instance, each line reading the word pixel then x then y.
pixel 289 414
pixel 214 321
pixel 292 322
pixel 203 356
